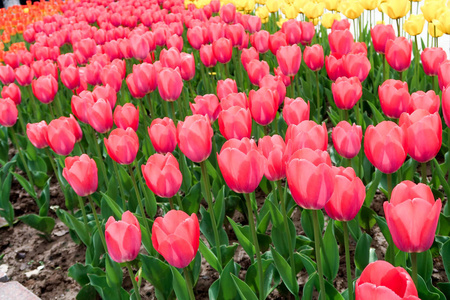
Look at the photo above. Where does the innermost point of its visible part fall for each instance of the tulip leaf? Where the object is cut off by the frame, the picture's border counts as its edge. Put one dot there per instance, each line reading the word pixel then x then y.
pixel 187 176
pixel 6 208
pixel 219 207
pixel 445 252
pixel 285 271
pixel 25 184
pixel 101 285
pixel 362 251
pixel 425 264
pixel 243 240
pixel 309 264
pixel 115 208
pixel 331 292
pixel 445 288
pixel 158 274
pixel 307 222
pixel 244 290
pixel 279 234
pixel 330 253
pixel 308 288
pixel 372 187
pixel 43 224
pixel 191 201
pixel 424 292
pixel 79 272
pixel 251 278
pixel 226 283
pixel 376 115
pixel 150 203
pixel 76 225
pixel 354 229
pixel 87 292
pixel 179 284
pixel 114 274
pixel 209 256
pixel 441 176
pixel 44 200
pixel 207 229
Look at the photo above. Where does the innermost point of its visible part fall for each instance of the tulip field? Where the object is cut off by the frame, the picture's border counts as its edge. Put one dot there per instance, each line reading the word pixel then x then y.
pixel 235 149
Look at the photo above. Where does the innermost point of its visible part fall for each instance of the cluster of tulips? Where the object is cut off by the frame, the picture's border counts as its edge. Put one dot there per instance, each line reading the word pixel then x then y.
pixel 145 108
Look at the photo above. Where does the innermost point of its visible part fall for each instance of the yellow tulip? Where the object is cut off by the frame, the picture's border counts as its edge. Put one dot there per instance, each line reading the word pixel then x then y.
pixel 290 2
pixel 432 10
pixel 289 11
pixel 262 2
pixel 370 4
pixel 380 22
pixel 414 24
pixel 250 6
pixel 444 22
pixel 331 4
pixel 328 19
pixel 397 8
pixel 351 9
pixel 313 10
pixel 433 29
pixel 272 5
pixel 262 12
pixel 382 6
pixel 240 5
pixel 281 21
pixel 300 5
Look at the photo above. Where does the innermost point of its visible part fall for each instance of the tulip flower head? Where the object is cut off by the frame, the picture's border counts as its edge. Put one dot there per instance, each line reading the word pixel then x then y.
pixel 162 175
pixel 122 145
pixel 81 173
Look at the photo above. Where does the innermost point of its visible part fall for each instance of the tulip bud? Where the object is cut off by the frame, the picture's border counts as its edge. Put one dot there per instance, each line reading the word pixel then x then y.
pixel 194 137
pixel 162 175
pixel 347 139
pixel 8 112
pixel 81 173
pixel 126 116
pixel 36 134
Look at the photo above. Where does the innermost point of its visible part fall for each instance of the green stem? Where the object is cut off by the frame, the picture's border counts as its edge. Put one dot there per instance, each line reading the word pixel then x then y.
pixel 291 87
pixel 346 114
pixel 189 286
pixel 180 203
pixel 100 156
pixel 433 83
pixel 414 267
pixel 83 211
pixel 133 280
pixel 227 73
pixel 347 261
pixel 172 107
pixel 286 228
pixel 52 114
pixel 149 99
pixel 121 189
pixel 171 203
pixel 141 181
pixel 252 225
pixel 317 238
pixel 385 74
pixel 398 27
pixel 97 222
pixel 22 158
pixel 207 188
pixel 318 96
pixel 424 172
pixel 33 103
pixel 21 120
pixel 389 184
pixel 400 75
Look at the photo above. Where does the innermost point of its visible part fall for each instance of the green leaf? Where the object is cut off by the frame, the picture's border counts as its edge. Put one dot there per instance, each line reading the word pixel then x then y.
pixel 187 176
pixel 158 274
pixel 372 187
pixel 101 285
pixel 209 256
pixel 377 116
pixel 279 234
pixel 244 290
pixel 7 210
pixel 44 200
pixel 307 222
pixel 308 288
pixel 87 292
pixel 285 271
pixel 76 225
pixel 226 283
pixel 441 176
pixel 243 240
pixel 116 209
pixel 424 292
pixel 330 253
pixel 362 252
pixel 43 224
pixel 191 201
pixel 331 292
pixel 179 285
pixel 150 204
pixel 252 280
pixel 207 229
pixel 25 184
pixel 445 252
pixel 309 264
pixel 114 274
pixel 355 230
pixel 79 273
pixel 425 264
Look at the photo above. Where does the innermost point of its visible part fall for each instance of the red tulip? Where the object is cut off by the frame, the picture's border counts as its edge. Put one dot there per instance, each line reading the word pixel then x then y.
pixel 145 77
pixel 207 105
pixel 70 77
pixel 207 56
pixel 263 106
pixel 381 280
pixel 162 175
pixel 241 164
pixel 307 134
pixel 394 97
pixel 194 137
pixel 347 139
pixel 357 65
pixel 72 123
pixel 385 146
pixel 92 73
pixel 310 178
pixel 359 48
pixel 257 70
pixel 24 75
pixel 12 91
pixel 272 147
pixel 81 104
pixel 308 32
pixel 444 74
pixel 223 50
pixel 170 58
pixel 228 13
pixel 289 59
pixel 341 42
pixel 276 41
pixel 276 85
pixel 348 196
pixel 216 31
pixel 43 68
pixel 163 135
pixel 313 57
pixel 139 46
pixel 295 111
pixel 60 137
pixel 260 40
pixel 105 92
pixel 446 105
pixel 235 122
pixel 248 55
pixel 126 116
pixel 187 66
pixel 334 67
pixel 111 75
pixel 381 33
pixel 66 60
pixel 176 236
pixel 7 75
pixel 226 87
pixel 134 91
pixel 8 112
pixel 346 92
pixel 235 33
pixel 170 84
pixel 398 53
pixel 197 36
pixel 45 88
pixel 81 173
pixel 340 24
pixel 36 133
pixel 254 24
pixel 11 59
pixel 417 236
pixel 292 31
pixel 100 116
pixel 424 134
pixel 432 59
pixel 123 238
pixel 122 145
pixel 428 101
pixel 234 99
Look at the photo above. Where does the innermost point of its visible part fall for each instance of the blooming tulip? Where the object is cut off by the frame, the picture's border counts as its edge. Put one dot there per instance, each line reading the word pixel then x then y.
pixel 207 56
pixel 307 134
pixel 381 280
pixel 122 145
pixel 381 33
pixel 308 32
pixel 170 58
pixel 145 77
pixel 45 88
pixel 70 77
pixel 112 76
pixel 12 91
pixel 234 99
pixel 7 75
pixel 194 137
pixel 341 42
pixel 357 65
pixel 8 112
pixel 263 106
pixel 257 70
pixel 226 87
pixel 346 92
pixel 176 236
pixel 348 195
pixel 428 101
pixel 170 84
pixel 24 75
pixel 36 134
pixel 444 74
pixel 81 105
pixel 223 50
pixel 126 116
pixel 260 40
pixel 272 147
pixel 276 85
pixel 417 236
pixel 396 8
pixel 187 66
pixel 398 53
pixel 248 55
pixel 276 41
pixel 289 59
pixel 334 67
pixel 100 116
pixel 292 31
pixel 394 97
pixel 385 146
pixel 162 134
pixel 241 164
pixel 432 59
pixel 414 25
pixel 347 139
pixel 123 238
pixel 424 134
pixel 81 173
pixel 313 57
pixel 60 137
pixel 162 175
pixel 340 24
pixel 228 13
pixel 295 111
pixel 310 178
pixel 207 105
pixel 235 122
